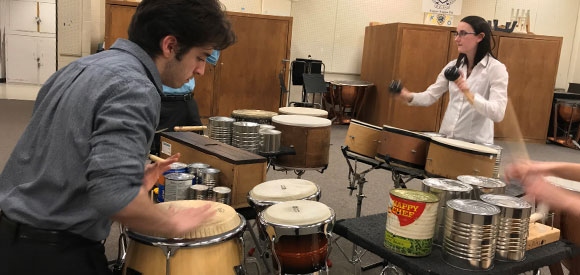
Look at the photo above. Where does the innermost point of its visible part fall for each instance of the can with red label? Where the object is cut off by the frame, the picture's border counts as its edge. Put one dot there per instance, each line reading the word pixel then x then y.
pixel 411 220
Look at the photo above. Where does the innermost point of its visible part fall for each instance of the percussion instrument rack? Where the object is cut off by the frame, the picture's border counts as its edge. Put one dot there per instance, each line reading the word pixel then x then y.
pixel 299 171
pixel 271 157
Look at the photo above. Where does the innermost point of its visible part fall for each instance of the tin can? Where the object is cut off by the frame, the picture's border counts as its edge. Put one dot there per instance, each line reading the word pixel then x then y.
pixel 177 186
pixel 198 192
pixel 222 194
pixel 483 185
pixel 411 222
pixel 176 167
pixel 211 179
pixel 195 169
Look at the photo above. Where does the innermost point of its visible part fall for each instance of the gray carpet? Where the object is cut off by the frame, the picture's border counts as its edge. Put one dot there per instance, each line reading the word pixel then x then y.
pixel 333 182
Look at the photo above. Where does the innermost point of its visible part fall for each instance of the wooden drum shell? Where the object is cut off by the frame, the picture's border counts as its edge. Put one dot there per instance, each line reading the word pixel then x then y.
pixel 301 254
pixel 448 162
pixel 363 139
pixel 208 260
pixel 311 144
pixel 403 149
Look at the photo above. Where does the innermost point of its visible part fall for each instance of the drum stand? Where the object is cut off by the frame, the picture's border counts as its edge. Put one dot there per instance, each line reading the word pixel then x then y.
pixel 357 181
pixel 299 171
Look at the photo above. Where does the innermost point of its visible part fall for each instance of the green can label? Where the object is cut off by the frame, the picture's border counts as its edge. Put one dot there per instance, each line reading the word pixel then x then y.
pixel 406 246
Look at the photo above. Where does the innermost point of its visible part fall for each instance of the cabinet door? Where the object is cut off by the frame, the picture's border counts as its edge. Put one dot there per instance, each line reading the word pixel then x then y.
pixel 422 56
pixel 118 19
pixel 532 65
pixel 203 91
pixel 47 14
pixel 46 58
pixel 248 71
pixel 23 16
pixel 21 63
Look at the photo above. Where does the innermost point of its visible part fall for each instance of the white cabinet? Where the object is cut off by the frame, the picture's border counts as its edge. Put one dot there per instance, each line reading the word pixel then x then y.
pixel 32 17
pixel 30 59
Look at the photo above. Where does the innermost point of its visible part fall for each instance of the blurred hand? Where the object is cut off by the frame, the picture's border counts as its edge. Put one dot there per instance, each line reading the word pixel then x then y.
pixel 545 192
pixel 522 169
pixel 186 219
pixel 154 170
pixel 405 96
pixel 461 83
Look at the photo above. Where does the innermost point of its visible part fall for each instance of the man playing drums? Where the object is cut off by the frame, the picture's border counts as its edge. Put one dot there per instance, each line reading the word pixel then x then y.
pixel 80 163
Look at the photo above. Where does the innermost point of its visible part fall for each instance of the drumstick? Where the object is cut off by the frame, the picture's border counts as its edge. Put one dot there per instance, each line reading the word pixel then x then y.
pixel 155 158
pixel 189 128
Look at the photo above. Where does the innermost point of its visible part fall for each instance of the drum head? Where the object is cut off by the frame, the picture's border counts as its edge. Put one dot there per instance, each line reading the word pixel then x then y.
pixel 283 190
pixel 303 111
pixel 464 146
pixel 564 183
pixel 259 114
pixel 357 122
pixel 301 121
pixel 224 220
pixel 297 213
pixel 404 132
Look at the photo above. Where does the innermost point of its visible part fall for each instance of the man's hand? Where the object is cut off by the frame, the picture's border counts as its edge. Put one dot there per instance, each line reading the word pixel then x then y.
pixel 154 170
pixel 186 219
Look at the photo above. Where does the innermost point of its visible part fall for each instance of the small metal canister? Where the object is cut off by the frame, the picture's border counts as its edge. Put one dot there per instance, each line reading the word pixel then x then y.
pixel 198 192
pixel 483 185
pixel 210 178
pixel 195 169
pixel 411 222
pixel 514 224
pixel 470 234
pixel 445 190
pixel 270 141
pixel 222 194
pixel 177 186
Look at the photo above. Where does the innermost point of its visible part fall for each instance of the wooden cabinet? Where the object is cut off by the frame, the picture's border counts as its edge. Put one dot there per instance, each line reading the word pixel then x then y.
pixel 246 76
pixel 416 54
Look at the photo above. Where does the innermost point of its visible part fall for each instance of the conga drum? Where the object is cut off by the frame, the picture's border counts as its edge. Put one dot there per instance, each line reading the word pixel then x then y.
pixel 310 138
pixel 303 111
pixel 272 192
pixel 569 225
pixel 257 116
pixel 362 138
pixel 402 147
pixel 300 235
pixel 214 247
pixel 450 158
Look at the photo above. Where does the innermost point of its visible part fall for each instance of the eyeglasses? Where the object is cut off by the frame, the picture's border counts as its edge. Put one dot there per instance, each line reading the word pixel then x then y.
pixel 462 33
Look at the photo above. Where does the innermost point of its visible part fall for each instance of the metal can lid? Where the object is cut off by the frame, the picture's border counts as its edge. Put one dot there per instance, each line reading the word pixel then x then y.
pixel 222 190
pixel 222 118
pixel 414 195
pixel 481 181
pixel 474 207
pixel 447 185
pixel 199 187
pixel 177 166
pixel 505 201
pixel 179 176
pixel 211 171
pixel 198 165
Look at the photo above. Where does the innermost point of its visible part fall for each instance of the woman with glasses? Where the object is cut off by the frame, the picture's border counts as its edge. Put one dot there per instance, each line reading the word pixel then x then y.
pixel 478 98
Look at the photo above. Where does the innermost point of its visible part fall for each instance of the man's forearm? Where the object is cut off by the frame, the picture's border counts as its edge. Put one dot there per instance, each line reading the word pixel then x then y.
pixel 565 170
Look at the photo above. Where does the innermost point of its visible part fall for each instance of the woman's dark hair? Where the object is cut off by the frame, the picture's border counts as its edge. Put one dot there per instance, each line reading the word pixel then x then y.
pixel 194 23
pixel 479 25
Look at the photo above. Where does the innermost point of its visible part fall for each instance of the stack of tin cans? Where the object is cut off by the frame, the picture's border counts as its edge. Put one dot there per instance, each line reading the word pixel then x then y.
pixel 246 135
pixel 220 129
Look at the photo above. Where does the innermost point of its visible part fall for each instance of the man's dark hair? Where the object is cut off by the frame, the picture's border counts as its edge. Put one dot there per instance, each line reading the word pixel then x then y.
pixel 484 47
pixel 195 23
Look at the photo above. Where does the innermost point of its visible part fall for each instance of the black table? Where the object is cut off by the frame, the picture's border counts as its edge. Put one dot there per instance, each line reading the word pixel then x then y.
pixel 369 233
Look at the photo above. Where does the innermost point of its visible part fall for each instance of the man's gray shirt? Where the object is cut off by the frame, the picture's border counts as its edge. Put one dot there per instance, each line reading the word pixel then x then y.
pixel 81 158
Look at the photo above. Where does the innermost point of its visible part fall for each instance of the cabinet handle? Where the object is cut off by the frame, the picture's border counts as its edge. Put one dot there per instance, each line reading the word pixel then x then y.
pixel 38 20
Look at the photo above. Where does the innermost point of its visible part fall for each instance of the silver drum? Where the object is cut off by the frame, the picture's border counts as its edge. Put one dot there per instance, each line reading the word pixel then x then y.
pixel 514 225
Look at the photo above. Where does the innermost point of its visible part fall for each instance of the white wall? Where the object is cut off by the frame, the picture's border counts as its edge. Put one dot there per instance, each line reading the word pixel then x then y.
pixel 333 30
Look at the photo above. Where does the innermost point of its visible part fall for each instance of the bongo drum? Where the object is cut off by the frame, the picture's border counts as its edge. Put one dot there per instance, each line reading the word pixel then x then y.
pixel 403 147
pixel 257 116
pixel 310 137
pixel 299 234
pixel 214 247
pixel 362 138
pixel 449 158
pixel 272 192
pixel 303 111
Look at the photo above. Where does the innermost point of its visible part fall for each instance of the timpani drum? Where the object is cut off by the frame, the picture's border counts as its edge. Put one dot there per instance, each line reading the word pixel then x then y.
pixel 348 94
pixel 300 235
pixel 310 138
pixel 403 147
pixel 214 247
pixel 303 111
pixel 257 116
pixel 568 224
pixel 362 138
pixel 569 111
pixel 450 158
